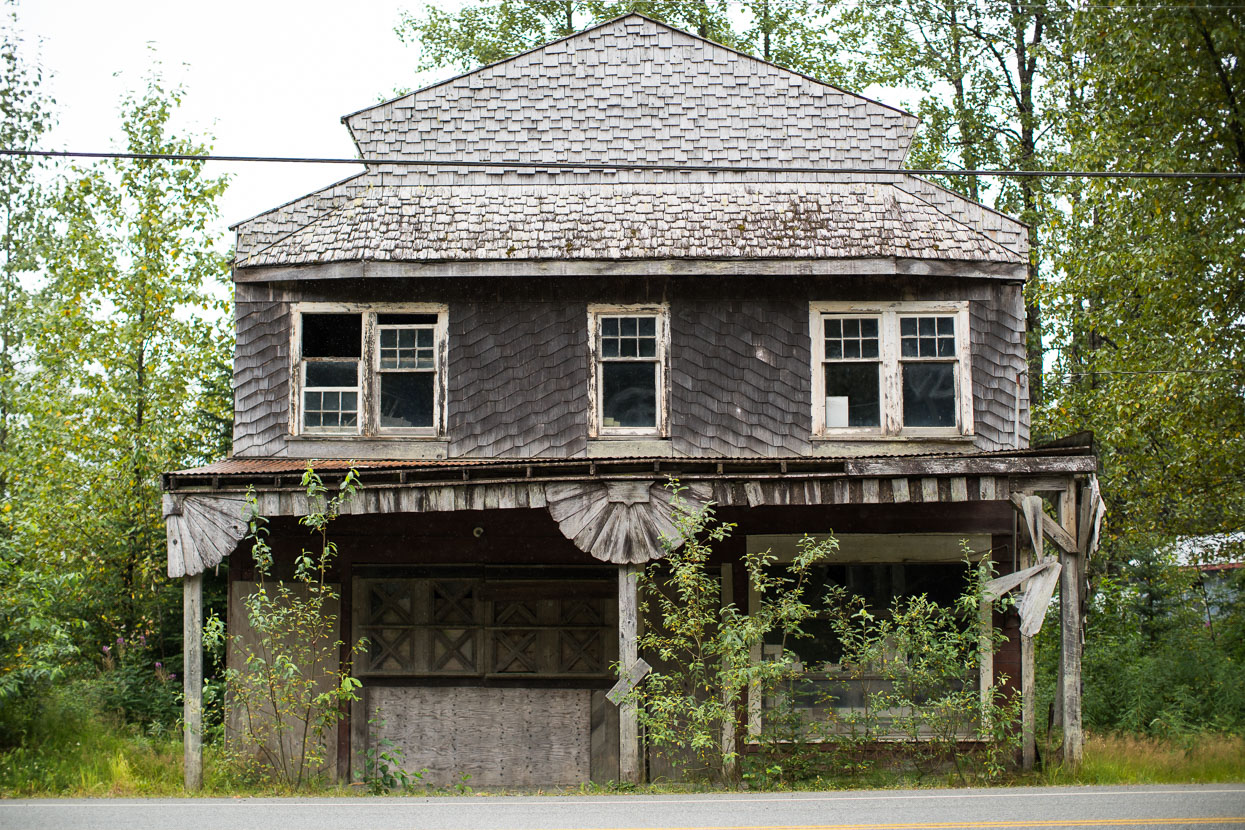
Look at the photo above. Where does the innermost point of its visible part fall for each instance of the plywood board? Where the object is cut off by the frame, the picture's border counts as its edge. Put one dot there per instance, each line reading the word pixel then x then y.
pixel 509 737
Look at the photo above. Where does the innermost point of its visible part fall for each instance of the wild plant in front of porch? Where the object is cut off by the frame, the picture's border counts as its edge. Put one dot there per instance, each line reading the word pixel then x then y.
pixel 285 687
pixel 919 664
pixel 691 705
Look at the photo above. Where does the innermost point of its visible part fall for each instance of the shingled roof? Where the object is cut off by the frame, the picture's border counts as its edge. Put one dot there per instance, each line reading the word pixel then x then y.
pixel 629 91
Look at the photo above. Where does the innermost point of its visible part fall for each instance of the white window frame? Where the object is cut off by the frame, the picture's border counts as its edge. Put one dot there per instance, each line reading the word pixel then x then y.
pixel 662 314
pixel 891 368
pixel 368 421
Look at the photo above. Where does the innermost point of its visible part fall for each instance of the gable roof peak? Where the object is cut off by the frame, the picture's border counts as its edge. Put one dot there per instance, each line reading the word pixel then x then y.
pixel 634 90
pixel 611 22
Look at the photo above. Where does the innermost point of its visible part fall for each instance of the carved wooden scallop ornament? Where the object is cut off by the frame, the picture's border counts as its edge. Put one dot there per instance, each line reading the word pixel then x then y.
pixel 201 531
pixel 622 522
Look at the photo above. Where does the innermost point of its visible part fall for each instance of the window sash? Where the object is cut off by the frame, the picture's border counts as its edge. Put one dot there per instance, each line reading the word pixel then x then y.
pixel 429 360
pixel 892 321
pixel 610 330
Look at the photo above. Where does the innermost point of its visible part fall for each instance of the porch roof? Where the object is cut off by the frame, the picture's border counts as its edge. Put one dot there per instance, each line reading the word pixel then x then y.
pixel 1068 456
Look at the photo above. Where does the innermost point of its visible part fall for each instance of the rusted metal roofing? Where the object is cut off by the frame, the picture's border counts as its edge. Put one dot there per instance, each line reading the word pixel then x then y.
pixel 233 470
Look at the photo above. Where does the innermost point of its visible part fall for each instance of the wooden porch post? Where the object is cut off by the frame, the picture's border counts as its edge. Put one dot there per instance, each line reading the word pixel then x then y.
pixel 1028 696
pixel 1070 635
pixel 985 653
pixel 630 769
pixel 192 678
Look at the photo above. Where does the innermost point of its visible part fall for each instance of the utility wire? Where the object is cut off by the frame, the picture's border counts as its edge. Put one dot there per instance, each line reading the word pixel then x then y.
pixel 1141 372
pixel 577 165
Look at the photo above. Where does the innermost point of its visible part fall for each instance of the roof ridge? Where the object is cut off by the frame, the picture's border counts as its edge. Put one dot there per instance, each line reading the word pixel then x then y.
pixel 314 220
pixel 961 222
pixel 337 183
pixel 613 21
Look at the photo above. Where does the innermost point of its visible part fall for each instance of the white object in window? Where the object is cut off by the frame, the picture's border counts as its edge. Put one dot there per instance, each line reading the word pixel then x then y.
pixel 628 377
pixel 891 370
pixel 373 370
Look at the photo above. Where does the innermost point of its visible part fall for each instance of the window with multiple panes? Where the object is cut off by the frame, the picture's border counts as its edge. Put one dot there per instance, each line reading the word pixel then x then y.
pixel 628 369
pixel 898 369
pixel 369 371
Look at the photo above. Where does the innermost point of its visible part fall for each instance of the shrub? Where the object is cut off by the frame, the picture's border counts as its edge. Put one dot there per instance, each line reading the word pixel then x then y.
pixel 692 702
pixel 287 687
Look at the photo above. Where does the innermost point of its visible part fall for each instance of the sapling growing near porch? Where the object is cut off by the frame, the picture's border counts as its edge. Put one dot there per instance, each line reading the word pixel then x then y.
pixel 919 663
pixel 692 703
pixel 285 687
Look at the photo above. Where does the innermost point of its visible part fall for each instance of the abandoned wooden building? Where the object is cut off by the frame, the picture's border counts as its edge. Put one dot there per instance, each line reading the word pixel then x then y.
pixel 564 278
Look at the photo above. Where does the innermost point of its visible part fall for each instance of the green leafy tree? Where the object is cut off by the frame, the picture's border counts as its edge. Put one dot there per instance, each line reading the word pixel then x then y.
pixel 36 626
pixel 129 357
pixel 1150 298
pixel 982 71
pixel 792 33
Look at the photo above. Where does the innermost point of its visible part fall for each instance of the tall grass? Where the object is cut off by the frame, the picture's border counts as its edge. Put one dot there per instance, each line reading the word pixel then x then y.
pixel 1190 759
pixel 69 747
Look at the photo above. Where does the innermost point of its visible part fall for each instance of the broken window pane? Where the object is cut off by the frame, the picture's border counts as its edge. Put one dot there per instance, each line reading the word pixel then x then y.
pixel 406 399
pixel 629 394
pixel 332 373
pixel 852 395
pixel 406 319
pixel 929 394
pixel 332 335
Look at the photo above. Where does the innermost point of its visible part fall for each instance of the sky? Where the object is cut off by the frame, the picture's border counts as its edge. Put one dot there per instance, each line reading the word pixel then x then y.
pixel 264 77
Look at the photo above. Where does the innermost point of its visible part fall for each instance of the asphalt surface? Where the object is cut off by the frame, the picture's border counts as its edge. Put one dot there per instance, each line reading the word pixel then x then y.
pixel 1163 807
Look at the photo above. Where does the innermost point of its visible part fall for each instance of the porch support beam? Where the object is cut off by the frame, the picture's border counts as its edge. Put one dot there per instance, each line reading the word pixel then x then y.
pixel 630 762
pixel 192 679
pixel 1070 635
pixel 1028 698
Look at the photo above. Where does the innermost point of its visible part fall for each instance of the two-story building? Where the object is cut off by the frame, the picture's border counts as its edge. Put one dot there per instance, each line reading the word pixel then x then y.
pixel 560 280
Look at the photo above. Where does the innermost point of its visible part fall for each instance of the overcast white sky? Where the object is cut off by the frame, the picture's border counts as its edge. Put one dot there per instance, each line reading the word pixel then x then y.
pixel 265 77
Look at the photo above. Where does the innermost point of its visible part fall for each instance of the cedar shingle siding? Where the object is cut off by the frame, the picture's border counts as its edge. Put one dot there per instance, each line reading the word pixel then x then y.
pixel 737 256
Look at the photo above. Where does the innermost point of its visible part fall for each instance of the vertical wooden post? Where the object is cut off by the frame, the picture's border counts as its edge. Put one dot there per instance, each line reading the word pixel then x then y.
pixel 1070 636
pixel 985 654
pixel 730 724
pixel 192 679
pixel 1028 692
pixel 630 770
pixel 345 632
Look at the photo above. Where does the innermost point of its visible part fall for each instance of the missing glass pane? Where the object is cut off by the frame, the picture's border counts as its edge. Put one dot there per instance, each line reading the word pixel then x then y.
pixel 322 373
pixel 332 335
pixel 629 395
pixel 406 399
pixel 852 395
pixel 929 394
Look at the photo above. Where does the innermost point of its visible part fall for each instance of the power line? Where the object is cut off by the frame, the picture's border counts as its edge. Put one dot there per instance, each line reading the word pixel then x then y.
pixel 1142 372
pixel 592 165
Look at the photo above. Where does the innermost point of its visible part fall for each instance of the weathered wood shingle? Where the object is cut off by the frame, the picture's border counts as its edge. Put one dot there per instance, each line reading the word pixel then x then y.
pixel 518 379
pixel 703 220
pixel 261 373
pixel 740 377
pixel 633 90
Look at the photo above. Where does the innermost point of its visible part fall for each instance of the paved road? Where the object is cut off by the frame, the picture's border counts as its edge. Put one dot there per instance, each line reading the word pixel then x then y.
pixel 1162 808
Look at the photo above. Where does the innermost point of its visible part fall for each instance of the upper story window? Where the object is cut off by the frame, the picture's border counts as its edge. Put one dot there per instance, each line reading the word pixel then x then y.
pixel 893 370
pixel 629 370
pixel 374 370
